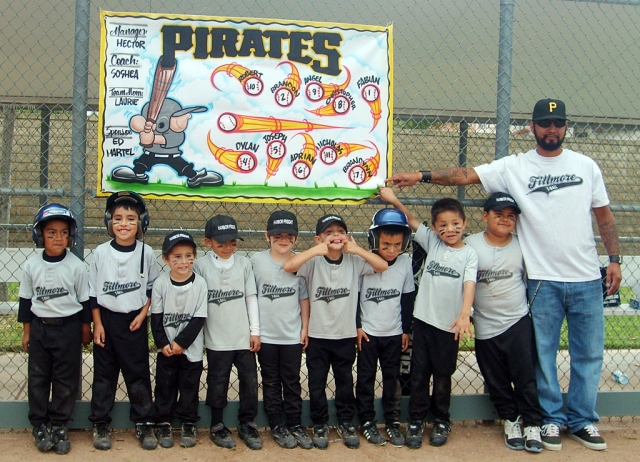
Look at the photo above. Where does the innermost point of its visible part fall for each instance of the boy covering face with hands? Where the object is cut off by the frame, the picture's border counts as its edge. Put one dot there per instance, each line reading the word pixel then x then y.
pixel 332 269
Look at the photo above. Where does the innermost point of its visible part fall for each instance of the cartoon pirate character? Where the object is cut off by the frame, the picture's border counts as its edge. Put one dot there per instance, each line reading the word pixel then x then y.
pixel 169 135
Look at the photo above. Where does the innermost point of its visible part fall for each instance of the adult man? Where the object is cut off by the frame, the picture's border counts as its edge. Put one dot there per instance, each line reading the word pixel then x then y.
pixel 556 189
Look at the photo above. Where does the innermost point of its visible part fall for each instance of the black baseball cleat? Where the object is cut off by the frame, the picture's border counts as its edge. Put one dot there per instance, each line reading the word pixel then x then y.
pixel 61 438
pixel 248 432
pixel 165 435
pixel 127 175
pixel 101 436
pixel 42 438
pixel 205 178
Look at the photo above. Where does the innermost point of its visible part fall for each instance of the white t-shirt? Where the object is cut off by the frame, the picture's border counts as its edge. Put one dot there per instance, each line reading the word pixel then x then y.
pixel 227 327
pixel 380 293
pixel 279 295
pixel 115 279
pixel 333 295
pixel 56 289
pixel 501 293
pixel 178 304
pixel 446 269
pixel 556 196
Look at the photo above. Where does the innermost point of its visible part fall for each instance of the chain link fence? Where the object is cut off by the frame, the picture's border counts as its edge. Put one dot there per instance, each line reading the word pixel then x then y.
pixel 467 75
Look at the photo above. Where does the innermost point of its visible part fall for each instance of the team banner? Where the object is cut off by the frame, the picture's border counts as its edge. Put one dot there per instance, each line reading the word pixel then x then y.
pixel 198 107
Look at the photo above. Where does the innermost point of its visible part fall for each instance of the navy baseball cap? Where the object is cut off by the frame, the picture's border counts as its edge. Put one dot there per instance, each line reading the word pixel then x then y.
pixel 549 108
pixel 498 201
pixel 222 228
pixel 326 220
pixel 177 237
pixel 282 221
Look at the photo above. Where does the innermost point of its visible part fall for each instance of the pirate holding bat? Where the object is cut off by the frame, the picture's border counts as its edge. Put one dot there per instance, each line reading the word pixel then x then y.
pixel 161 127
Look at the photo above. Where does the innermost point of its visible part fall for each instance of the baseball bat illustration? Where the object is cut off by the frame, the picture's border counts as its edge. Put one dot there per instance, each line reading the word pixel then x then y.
pixel 165 70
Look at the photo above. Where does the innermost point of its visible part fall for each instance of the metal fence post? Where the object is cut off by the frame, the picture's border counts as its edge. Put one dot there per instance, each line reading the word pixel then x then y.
pixel 505 49
pixel 79 117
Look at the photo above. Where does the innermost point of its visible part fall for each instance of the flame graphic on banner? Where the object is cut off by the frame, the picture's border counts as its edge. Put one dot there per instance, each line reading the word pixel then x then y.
pixel 302 167
pixel 361 173
pixel 236 123
pixel 371 94
pixel 251 83
pixel 371 166
pixel 316 91
pixel 276 152
pixel 344 149
pixel 238 161
pixel 288 90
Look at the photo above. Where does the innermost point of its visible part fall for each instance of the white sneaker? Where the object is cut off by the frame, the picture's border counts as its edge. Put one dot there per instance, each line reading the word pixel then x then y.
pixel 513 434
pixel 532 439
pixel 589 437
pixel 550 435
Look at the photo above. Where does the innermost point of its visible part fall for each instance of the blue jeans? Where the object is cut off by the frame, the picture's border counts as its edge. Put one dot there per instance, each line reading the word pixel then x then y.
pixel 581 304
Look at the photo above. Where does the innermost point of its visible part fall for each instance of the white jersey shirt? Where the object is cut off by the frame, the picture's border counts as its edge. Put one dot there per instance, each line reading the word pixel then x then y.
pixel 380 310
pixel 178 304
pixel 556 196
pixel 333 295
pixel 446 269
pixel 56 289
pixel 279 295
pixel 115 279
pixel 501 292
pixel 227 326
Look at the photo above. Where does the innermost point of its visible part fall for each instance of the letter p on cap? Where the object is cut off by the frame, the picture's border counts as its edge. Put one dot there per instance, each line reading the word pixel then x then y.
pixel 552 106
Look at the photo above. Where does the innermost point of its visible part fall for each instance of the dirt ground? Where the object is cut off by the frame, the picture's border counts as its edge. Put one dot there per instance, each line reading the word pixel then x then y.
pixel 469 441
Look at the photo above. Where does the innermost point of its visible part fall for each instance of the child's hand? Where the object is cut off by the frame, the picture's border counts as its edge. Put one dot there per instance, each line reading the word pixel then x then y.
pixel 304 339
pixel 254 343
pixel 86 334
pixel 463 328
pixel 387 195
pixel 351 246
pixel 177 349
pixel 361 335
pixel 137 322
pixel 322 249
pixel 99 336
pixel 25 340
pixel 167 351
pixel 405 342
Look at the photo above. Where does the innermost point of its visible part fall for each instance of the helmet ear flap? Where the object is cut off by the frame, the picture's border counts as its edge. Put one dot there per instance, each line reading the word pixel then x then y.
pixel 373 239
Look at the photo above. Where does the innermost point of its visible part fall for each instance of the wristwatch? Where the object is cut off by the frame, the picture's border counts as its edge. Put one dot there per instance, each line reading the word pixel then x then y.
pixel 615 259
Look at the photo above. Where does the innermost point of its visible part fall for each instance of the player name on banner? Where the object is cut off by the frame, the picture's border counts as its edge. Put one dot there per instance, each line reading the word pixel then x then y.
pixel 198 107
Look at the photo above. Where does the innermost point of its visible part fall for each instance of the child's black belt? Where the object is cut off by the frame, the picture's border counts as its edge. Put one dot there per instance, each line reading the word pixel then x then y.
pixel 59 321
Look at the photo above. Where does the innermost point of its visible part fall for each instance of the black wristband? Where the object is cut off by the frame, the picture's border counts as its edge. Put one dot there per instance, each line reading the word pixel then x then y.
pixel 615 259
pixel 426 176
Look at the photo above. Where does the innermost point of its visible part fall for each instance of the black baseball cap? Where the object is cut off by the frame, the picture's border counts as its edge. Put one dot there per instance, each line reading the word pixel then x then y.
pixel 498 201
pixel 282 221
pixel 222 228
pixel 326 220
pixel 549 108
pixel 176 237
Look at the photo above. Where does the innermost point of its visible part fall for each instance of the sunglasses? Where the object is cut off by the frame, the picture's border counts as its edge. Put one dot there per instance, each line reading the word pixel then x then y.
pixel 558 123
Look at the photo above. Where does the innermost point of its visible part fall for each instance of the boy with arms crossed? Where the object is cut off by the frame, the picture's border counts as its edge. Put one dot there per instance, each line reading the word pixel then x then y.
pixel 384 324
pixel 178 314
pixel 332 270
pixel 284 319
pixel 441 314
pixel 120 280
pixel 231 332
pixel 54 307
pixel 503 327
